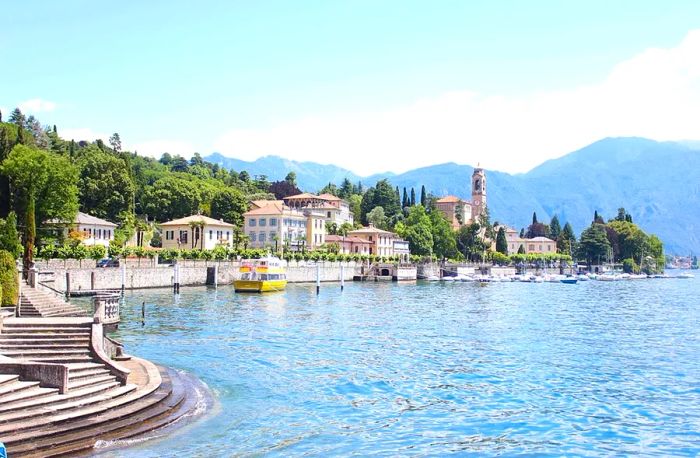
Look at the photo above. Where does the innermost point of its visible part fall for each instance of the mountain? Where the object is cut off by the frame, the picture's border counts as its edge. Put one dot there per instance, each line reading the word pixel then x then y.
pixel 657 182
pixel 311 176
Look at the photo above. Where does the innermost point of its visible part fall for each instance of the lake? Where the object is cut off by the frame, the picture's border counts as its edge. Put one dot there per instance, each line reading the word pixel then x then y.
pixel 431 369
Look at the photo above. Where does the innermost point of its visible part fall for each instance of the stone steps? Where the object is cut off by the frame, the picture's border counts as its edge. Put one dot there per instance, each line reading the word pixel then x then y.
pixel 10 401
pixel 150 412
pixel 82 340
pixel 38 336
pixel 86 394
pixel 8 378
pixel 15 387
pixel 35 303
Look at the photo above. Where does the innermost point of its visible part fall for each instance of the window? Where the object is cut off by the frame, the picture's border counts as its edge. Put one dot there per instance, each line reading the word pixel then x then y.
pixel 228 234
pixel 262 237
pixel 252 222
pixel 211 234
pixel 272 236
pixel 540 247
pixel 273 221
pixel 370 238
pixel 183 236
pixel 531 247
pixel 329 214
pixel 262 222
pixel 253 237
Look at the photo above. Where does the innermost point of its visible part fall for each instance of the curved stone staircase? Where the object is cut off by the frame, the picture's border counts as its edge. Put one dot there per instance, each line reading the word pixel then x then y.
pixel 60 394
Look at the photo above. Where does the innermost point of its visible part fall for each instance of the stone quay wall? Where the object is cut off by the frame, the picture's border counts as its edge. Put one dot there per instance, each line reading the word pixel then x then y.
pixel 192 273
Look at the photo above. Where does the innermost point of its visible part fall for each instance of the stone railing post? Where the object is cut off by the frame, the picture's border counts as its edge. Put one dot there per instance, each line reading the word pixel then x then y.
pixel 106 308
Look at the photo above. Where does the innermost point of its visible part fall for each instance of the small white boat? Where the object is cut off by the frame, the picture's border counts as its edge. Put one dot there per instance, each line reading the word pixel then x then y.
pixel 582 277
pixel 433 278
pixel 685 275
pixel 448 278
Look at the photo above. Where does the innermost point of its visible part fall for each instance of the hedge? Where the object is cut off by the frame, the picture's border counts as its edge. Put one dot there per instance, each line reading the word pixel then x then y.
pixel 9 278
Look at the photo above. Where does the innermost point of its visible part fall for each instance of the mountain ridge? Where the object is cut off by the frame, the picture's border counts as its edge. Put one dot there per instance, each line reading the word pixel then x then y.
pixel 657 182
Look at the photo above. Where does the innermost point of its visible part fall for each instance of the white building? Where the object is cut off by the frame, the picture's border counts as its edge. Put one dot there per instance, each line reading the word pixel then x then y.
pixel 196 231
pixel 272 224
pixel 91 229
pixel 334 209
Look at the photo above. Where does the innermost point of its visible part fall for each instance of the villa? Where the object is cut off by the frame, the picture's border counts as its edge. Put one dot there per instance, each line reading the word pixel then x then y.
pixel 334 209
pixel 348 244
pixel 536 245
pixel 196 231
pixel 91 229
pixel 272 224
pixel 382 243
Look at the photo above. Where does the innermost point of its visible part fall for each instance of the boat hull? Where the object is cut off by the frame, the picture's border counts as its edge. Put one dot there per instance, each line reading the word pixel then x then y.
pixel 259 286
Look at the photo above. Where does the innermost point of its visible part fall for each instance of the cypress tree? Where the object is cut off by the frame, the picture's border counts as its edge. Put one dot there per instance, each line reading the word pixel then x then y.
pixel 30 235
pixel 422 195
pixel 554 228
pixel 413 197
pixel 534 218
pixel 404 200
pixel 501 242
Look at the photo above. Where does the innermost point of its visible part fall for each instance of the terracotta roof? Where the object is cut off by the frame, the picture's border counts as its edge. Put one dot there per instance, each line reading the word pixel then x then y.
pixel 371 230
pixel 197 218
pixel 265 203
pixel 448 199
pixel 303 195
pixel 347 238
pixel 327 196
pixel 278 210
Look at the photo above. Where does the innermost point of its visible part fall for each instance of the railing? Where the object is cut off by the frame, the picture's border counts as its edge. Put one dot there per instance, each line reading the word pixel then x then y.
pixel 106 308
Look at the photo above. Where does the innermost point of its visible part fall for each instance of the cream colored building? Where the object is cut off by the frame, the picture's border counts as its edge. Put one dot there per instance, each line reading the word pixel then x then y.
pixel 272 224
pixel 196 231
pixel 383 243
pixel 334 209
pixel 534 245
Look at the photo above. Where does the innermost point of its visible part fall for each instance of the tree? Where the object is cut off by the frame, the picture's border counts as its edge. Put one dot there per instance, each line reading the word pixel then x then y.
pixel 422 196
pixel 554 228
pixel 418 232
pixel 9 237
pixel 229 205
pixel 282 189
pixel 105 186
pixel 384 196
pixel 344 229
pixel 501 242
pixel 166 159
pixel 49 178
pixel 173 197
pixel 331 228
pixel 534 218
pixel 179 164
pixel 444 239
pixel 291 178
pixel 597 219
pixel 594 244
pixel 469 241
pixel 522 233
pixel 115 142
pixel 521 249
pixel 377 218
pixel 17 118
pixel 355 204
pixel 346 189
pixel 9 280
pixel 29 235
pixel 413 197
pixel 566 241
pixel 405 202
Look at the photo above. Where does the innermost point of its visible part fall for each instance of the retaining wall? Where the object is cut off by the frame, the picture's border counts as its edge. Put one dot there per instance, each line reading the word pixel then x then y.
pixel 192 273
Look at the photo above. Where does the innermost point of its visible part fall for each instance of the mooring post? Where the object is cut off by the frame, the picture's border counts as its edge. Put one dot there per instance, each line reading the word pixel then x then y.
pixel 67 285
pixel 143 313
pixel 176 284
pixel 123 266
pixel 92 280
pixel 318 278
pixel 216 275
pixel 342 277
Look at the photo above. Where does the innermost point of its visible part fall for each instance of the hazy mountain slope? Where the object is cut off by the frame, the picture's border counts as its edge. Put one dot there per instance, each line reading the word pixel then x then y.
pixel 657 182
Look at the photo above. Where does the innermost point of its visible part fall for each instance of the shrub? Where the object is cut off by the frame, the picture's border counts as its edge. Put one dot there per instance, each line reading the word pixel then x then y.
pixel 8 278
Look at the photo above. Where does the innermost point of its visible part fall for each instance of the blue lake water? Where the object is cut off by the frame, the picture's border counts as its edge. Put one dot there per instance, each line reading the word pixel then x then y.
pixel 430 369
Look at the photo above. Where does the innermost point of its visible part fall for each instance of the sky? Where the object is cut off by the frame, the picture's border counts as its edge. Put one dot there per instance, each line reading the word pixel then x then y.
pixel 372 86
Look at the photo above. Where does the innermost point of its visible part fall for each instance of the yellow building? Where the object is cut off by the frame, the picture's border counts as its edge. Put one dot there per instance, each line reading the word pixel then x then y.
pixel 272 224
pixel 461 212
pixel 383 243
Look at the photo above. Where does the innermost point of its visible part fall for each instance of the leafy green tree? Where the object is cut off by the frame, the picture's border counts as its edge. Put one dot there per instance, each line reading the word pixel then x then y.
pixel 115 142
pixel 291 178
pixel 444 238
pixel 377 218
pixel 418 232
pixel 344 229
pixel 172 197
pixel 29 234
pixel 17 118
pixel 229 204
pixel 355 204
pixel 594 245
pixel 521 249
pixel 331 228
pixel 105 187
pixel 501 242
pixel 51 179
pixel 385 197
pixel 9 237
pixel 469 241
pixel 346 189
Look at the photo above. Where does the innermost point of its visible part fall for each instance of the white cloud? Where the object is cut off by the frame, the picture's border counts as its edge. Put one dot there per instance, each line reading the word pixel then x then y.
pixel 82 133
pixel 156 148
pixel 36 106
pixel 655 94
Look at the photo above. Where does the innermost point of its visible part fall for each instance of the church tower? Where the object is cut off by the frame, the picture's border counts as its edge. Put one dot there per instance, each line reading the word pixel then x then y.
pixel 478 192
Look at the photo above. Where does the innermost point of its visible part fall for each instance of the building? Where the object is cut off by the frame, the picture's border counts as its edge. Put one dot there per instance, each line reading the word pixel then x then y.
pixel 334 209
pixel 272 224
pixel 196 231
pixel 383 243
pixel 90 229
pixel 460 212
pixel 350 244
pixel 534 245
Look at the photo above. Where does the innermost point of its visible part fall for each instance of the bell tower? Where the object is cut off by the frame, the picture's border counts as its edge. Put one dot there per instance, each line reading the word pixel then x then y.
pixel 478 192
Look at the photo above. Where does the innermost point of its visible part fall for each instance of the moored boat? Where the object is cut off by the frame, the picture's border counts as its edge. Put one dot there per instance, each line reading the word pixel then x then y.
pixel 261 275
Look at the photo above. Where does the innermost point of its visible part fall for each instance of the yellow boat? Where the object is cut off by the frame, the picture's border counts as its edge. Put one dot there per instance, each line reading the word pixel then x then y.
pixel 261 275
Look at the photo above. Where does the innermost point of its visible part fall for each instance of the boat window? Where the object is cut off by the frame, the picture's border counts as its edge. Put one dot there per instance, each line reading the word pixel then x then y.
pixel 263 276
